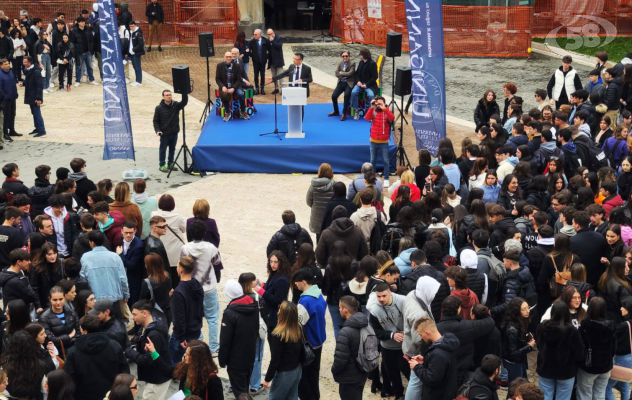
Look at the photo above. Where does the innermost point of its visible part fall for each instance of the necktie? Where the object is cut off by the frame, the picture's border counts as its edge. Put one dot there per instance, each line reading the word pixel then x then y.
pixel 297 74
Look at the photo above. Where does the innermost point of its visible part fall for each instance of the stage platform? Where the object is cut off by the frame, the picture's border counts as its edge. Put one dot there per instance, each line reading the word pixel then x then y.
pixel 236 146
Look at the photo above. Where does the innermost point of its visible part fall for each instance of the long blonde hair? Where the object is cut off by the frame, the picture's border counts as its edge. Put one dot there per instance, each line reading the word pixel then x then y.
pixel 288 328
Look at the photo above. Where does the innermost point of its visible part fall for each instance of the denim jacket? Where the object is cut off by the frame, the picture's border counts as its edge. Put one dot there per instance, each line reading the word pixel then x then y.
pixel 105 272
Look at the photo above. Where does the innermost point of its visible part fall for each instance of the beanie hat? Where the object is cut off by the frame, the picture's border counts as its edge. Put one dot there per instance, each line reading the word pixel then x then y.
pixel 233 289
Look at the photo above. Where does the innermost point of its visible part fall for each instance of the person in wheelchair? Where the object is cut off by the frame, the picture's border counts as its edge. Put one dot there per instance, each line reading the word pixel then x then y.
pixel 228 77
pixel 366 80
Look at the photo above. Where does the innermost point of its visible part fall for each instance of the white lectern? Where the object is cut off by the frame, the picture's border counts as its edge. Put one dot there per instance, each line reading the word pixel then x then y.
pixel 294 97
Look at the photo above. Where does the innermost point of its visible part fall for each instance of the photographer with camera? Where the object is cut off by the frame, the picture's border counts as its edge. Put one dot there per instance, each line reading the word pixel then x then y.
pixel 381 122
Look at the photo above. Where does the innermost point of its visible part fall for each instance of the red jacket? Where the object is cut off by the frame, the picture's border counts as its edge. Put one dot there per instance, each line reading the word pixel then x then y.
pixel 380 124
pixel 415 193
pixel 611 203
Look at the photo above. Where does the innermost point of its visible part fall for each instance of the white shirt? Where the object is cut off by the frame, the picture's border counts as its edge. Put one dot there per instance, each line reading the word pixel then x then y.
pixel 126 245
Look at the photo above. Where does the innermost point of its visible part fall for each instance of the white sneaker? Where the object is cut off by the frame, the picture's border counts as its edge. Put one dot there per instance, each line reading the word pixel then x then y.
pixel 52 86
pixel 386 183
pixel 45 91
pixel 76 84
pixel 135 84
pixel 95 83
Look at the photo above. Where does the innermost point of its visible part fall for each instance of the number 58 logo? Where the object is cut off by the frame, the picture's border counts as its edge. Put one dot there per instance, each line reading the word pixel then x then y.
pixel 595 32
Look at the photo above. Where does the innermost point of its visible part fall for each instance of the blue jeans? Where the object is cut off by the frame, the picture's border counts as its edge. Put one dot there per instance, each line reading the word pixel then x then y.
pixel 355 95
pixel 246 68
pixel 285 384
pixel 255 377
pixel 167 141
pixel 591 386
pixel 556 389
pixel 138 72
pixel 47 66
pixel 336 319
pixel 515 370
pixel 38 121
pixel 175 350
pixel 86 60
pixel 211 313
pixel 413 391
pixel 383 148
pixel 623 388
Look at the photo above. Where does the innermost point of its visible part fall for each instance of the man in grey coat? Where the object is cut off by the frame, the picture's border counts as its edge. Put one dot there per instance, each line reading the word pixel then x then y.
pixel 344 73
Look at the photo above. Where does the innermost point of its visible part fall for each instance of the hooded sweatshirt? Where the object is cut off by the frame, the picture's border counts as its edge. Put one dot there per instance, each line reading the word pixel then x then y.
pixel 207 258
pixel 187 309
pixel 388 318
pixel 365 218
pixel 468 301
pixel 417 305
pixel 146 205
pixel 312 306
pixel 402 261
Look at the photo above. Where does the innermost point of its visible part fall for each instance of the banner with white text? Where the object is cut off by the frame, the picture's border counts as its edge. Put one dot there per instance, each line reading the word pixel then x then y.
pixel 425 35
pixel 119 143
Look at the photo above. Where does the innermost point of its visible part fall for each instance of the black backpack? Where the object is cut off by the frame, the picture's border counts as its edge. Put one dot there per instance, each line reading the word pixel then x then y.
pixel 377 233
pixel 593 157
pixel 390 239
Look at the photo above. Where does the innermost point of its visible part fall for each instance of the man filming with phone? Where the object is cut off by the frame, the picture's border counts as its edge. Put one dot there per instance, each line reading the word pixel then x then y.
pixel 167 125
pixel 381 121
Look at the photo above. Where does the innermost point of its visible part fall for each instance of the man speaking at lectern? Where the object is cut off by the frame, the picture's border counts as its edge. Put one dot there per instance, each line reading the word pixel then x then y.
pixel 298 73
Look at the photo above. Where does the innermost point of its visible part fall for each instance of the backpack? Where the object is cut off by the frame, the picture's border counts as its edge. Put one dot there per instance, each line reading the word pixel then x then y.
pixel 595 157
pixel 615 154
pixel 377 233
pixel 390 240
pixel 464 391
pixel 496 268
pixel 368 354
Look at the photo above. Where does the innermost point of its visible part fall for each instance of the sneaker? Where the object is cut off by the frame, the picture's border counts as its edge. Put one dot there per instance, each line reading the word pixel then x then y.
pixel 356 116
pixel 227 117
pixel 52 86
pixel 46 91
pixel 164 168
pixel 386 183
pixel 94 83
pixel 244 115
pixel 135 84
pixel 254 392
pixel 76 84
pixel 38 134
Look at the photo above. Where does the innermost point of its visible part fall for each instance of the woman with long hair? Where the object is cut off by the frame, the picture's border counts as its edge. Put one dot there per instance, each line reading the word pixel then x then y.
pixel 491 188
pixel 435 181
pixel 17 317
pixel 287 353
pixel 201 211
pixel 538 196
pixel 123 203
pixel 402 200
pixel 197 372
pixel 485 108
pixel 338 273
pixel 248 282
pixel 517 341
pixel 477 174
pixel 60 385
pixel 84 302
pixel 573 300
pixel 157 286
pixel 555 271
pixel 124 387
pixel 616 248
pixel 306 260
pixel 604 131
pixel 616 148
pixel 60 322
pixel 510 193
pixel 24 367
pixel 487 146
pixel 408 180
pixel 560 350
pixel 557 183
pixel 244 51
pixel 423 169
pixel 47 270
pixel 449 197
pixel 46 348
pixel 522 172
pixel 598 335
pixel 276 287
pixel 104 187
pixel 585 198
pixel 320 191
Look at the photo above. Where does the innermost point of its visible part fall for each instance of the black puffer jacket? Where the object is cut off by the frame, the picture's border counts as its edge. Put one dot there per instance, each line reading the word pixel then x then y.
pixel 17 286
pixel 514 344
pixel 466 227
pixel 518 283
pixel 116 330
pixel 467 331
pixel 239 333
pixel 438 373
pixel 484 111
pixel 43 280
pixel 149 370
pixel 617 296
pixel 59 331
pixel 476 282
pixel 500 232
pixel 345 368
pixel 599 340
pixel 288 239
pixel 39 195
pixel 482 388
pixel 560 350
pixel 276 291
pixel 166 116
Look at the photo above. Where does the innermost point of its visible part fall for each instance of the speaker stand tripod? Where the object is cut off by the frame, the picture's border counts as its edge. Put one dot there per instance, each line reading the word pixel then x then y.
pixel 209 105
pixel 393 104
pixel 184 150
pixel 400 153
pixel 276 130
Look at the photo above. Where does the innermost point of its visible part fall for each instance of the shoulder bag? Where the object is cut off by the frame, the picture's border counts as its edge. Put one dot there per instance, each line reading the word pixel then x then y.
pixel 620 373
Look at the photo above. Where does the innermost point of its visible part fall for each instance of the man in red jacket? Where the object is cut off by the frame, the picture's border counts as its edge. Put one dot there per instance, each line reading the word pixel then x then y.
pixel 381 121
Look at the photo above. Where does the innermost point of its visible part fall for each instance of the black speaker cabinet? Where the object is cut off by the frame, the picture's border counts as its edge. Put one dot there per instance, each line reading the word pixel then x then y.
pixel 393 44
pixel 206 44
pixel 403 81
pixel 181 80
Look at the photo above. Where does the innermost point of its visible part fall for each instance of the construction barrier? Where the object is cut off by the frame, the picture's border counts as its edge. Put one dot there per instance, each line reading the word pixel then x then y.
pixel 548 15
pixel 184 19
pixel 471 31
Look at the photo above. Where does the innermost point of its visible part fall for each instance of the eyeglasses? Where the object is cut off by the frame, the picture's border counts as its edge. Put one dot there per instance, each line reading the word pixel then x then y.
pixel 345 56
pixel 161 226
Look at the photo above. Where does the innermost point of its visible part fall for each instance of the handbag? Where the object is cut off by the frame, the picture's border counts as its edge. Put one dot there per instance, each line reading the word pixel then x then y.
pixel 620 373
pixel 560 278
pixel 308 353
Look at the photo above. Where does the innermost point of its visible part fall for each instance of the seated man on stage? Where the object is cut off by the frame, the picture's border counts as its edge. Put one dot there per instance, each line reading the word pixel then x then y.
pixel 228 77
pixel 366 80
pixel 298 73
pixel 344 73
pixel 237 61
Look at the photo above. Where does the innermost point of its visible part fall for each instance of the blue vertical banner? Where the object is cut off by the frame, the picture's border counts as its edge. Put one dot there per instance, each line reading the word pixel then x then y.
pixel 425 38
pixel 119 143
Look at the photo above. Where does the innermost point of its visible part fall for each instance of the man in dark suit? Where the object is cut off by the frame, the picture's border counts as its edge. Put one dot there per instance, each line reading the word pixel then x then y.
pixel 260 53
pixel 34 94
pixel 344 73
pixel 298 73
pixel 228 77
pixel 276 62
pixel 132 254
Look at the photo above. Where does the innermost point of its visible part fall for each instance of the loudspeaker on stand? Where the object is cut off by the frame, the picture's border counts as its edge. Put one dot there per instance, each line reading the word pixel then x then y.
pixel 393 44
pixel 181 80
pixel 207 49
pixel 403 81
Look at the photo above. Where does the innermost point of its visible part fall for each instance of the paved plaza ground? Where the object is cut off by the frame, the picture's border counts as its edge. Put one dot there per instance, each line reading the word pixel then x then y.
pixel 74 122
